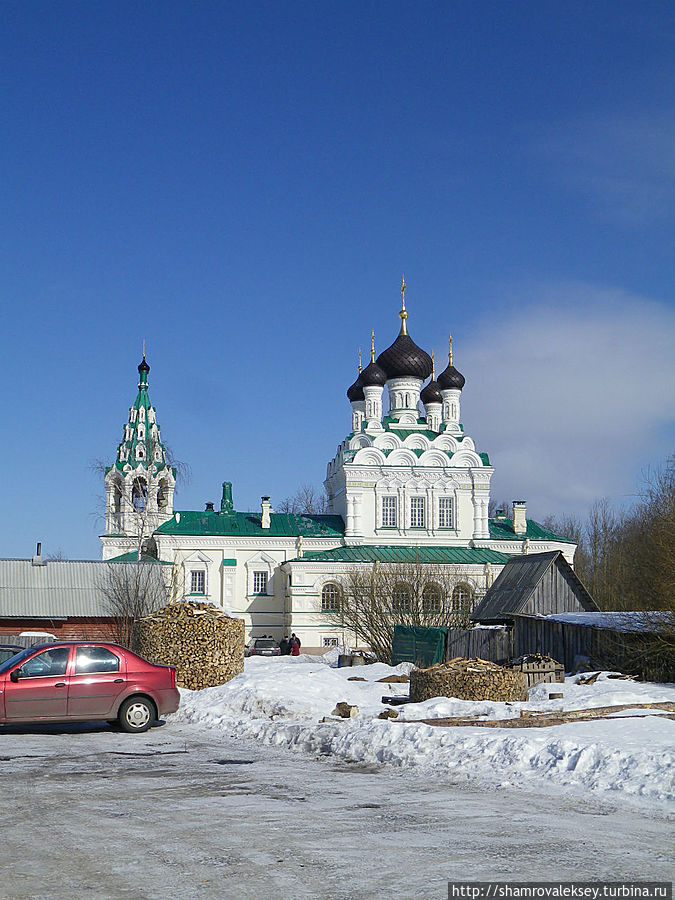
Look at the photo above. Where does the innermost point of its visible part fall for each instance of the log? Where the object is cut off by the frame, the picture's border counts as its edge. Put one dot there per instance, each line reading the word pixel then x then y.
pixel 345 710
pixel 543 719
pixel 204 644
pixel 467 679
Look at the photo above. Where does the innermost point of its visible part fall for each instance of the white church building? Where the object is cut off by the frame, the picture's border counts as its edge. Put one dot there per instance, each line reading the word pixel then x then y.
pixel 402 487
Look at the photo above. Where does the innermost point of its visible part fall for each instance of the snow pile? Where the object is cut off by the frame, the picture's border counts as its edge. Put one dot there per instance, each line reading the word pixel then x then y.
pixel 281 702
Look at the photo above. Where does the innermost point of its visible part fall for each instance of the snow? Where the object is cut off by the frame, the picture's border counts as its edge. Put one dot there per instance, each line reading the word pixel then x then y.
pixel 281 702
pixel 617 621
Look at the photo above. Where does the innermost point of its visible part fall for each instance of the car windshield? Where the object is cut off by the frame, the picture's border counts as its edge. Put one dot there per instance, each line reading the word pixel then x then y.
pixel 264 642
pixel 13 660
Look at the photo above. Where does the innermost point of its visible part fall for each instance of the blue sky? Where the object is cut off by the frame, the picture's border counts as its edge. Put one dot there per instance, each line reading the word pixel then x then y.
pixel 242 186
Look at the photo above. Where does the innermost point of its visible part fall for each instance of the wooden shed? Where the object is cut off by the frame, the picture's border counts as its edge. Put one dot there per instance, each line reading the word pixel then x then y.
pixel 536 584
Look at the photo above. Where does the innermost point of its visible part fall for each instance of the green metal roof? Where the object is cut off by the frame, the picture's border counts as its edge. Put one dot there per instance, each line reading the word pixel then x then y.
pixel 132 556
pixel 394 554
pixel 502 530
pixel 403 432
pixel 248 524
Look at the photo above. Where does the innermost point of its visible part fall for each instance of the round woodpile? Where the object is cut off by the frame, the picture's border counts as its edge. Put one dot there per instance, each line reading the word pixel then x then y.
pixel 204 644
pixel 467 679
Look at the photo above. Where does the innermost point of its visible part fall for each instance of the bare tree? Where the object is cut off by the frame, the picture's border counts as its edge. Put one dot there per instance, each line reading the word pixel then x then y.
pixel 56 556
pixel 183 474
pixel 183 469
pixel 132 590
pixel 495 505
pixel 375 598
pixel 308 501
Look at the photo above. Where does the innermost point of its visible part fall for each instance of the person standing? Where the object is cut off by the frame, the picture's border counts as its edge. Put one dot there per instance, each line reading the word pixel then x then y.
pixel 284 646
pixel 295 646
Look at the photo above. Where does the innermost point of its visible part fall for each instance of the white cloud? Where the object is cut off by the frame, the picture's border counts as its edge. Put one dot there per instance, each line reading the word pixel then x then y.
pixel 571 392
pixel 625 166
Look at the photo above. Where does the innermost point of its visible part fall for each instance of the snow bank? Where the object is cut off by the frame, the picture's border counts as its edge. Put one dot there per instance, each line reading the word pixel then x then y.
pixel 280 702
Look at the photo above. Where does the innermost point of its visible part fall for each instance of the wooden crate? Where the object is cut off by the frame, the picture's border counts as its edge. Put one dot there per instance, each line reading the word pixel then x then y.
pixel 540 670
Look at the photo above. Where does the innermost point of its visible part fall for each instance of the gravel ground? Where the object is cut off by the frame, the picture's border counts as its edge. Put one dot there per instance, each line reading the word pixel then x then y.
pixel 185 812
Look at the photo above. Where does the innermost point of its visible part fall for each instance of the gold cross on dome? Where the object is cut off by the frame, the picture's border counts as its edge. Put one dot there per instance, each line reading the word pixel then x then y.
pixel 403 315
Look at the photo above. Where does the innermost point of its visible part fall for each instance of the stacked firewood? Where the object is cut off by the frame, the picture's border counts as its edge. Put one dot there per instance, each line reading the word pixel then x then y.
pixel 204 644
pixel 467 679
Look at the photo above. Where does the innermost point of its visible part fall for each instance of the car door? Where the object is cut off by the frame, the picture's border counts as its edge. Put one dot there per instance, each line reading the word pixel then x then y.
pixel 41 691
pixel 98 678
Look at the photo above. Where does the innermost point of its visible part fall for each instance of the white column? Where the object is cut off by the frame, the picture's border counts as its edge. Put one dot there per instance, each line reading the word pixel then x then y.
pixel 476 515
pixel 356 518
pixel 349 531
pixel 485 528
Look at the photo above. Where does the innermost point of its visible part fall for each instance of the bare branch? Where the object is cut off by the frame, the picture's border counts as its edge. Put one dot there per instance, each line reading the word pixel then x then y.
pixel 132 590
pixel 375 598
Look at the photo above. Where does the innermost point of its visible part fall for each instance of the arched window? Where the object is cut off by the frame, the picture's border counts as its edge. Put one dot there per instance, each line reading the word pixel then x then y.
pixel 162 494
pixel 139 494
pixel 462 598
pixel 432 597
pixel 330 597
pixel 140 451
pixel 117 498
pixel 401 599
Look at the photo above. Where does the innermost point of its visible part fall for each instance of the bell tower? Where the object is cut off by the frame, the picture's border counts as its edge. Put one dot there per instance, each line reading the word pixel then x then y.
pixel 140 484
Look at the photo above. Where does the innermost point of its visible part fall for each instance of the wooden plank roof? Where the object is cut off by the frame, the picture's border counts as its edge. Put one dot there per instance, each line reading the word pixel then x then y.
pixel 519 579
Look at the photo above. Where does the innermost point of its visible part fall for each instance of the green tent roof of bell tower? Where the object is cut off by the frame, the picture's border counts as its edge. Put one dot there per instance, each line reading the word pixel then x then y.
pixel 142 446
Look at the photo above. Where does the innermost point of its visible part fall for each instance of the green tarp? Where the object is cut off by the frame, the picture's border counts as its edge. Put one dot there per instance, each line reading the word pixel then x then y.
pixel 421 646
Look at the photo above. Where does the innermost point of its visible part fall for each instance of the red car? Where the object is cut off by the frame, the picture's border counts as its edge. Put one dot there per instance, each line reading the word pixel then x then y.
pixel 79 681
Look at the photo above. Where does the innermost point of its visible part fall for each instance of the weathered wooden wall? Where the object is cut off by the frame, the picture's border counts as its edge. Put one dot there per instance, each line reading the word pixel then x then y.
pixel 553 594
pixel 564 641
pixel 493 644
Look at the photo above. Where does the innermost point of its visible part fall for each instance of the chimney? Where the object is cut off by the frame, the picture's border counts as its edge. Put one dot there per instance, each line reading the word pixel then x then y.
pixel 37 559
pixel 266 510
pixel 208 507
pixel 500 514
pixel 226 504
pixel 519 520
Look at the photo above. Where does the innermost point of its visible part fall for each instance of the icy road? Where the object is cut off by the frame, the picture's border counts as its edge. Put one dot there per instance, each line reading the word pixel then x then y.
pixel 185 812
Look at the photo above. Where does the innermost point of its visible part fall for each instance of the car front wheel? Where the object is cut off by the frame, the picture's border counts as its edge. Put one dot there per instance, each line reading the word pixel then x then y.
pixel 136 714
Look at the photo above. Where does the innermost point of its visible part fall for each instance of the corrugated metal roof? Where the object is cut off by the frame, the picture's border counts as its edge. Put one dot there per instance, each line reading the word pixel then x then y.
pixel 518 580
pixel 502 530
pixel 238 523
pixel 58 589
pixel 395 554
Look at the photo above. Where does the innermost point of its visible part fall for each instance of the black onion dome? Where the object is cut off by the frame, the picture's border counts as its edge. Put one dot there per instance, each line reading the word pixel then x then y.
pixel 403 358
pixel 431 394
pixel 373 375
pixel 143 366
pixel 451 378
pixel 355 392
